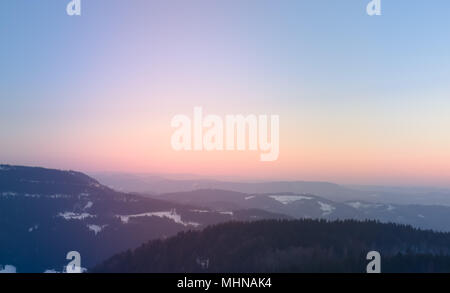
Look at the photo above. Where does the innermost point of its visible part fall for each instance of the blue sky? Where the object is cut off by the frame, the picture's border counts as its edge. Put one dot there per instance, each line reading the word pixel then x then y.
pixel 333 73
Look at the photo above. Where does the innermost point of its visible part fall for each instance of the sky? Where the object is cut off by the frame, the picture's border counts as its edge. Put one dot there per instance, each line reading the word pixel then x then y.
pixel 361 99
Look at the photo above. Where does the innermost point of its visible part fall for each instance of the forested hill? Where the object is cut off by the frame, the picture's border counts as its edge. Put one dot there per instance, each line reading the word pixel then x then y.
pixel 289 246
pixel 46 213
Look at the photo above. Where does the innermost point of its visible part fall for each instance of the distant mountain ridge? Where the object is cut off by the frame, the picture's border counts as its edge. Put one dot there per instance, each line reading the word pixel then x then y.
pixel 310 206
pixel 159 184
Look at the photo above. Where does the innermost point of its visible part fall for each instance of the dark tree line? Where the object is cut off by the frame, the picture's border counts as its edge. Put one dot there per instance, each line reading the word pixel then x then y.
pixel 289 246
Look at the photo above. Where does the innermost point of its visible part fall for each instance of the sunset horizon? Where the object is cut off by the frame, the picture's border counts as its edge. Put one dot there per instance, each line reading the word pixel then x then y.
pixel 366 117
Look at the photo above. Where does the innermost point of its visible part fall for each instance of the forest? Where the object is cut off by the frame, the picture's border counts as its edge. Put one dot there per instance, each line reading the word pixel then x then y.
pixel 289 246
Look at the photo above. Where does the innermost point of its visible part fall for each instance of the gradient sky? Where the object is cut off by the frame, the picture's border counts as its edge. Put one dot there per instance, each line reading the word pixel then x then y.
pixel 362 100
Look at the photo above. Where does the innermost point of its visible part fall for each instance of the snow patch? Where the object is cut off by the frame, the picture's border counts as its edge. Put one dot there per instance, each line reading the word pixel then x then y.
pixel 89 205
pixel 287 199
pixel 75 216
pixel 33 228
pixel 96 229
pixel 8 194
pixel 56 196
pixel 227 213
pixel 172 215
pixel 390 208
pixel 8 269
pixel 51 271
pixel 200 211
pixel 32 195
pixel 421 216
pixel 326 208
pixel 359 205
pixel 249 197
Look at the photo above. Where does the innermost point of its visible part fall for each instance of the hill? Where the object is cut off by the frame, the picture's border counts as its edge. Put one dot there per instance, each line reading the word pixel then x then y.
pixel 46 213
pixel 310 206
pixel 288 246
